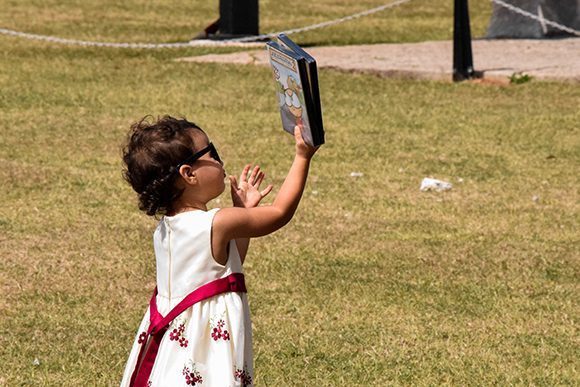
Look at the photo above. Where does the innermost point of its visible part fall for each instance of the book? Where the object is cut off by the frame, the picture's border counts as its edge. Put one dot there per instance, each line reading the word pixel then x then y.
pixel 297 91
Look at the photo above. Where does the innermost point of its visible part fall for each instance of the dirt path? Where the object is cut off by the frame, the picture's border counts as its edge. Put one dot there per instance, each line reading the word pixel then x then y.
pixel 554 59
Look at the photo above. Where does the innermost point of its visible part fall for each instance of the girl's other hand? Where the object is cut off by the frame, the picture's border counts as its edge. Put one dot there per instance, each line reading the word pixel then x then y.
pixel 302 148
pixel 247 192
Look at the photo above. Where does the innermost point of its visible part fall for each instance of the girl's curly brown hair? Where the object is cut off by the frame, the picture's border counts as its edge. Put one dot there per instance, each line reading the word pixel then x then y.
pixel 151 155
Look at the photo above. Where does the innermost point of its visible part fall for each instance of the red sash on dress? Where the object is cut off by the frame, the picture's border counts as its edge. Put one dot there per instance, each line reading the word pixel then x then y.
pixel 158 324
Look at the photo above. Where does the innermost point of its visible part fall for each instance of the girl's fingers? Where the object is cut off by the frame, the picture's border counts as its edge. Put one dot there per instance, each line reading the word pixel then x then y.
pixel 298 134
pixel 267 190
pixel 233 183
pixel 244 175
pixel 259 177
pixel 254 175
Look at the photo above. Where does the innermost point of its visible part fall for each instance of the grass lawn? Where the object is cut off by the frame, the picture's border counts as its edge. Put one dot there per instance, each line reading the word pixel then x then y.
pixel 372 283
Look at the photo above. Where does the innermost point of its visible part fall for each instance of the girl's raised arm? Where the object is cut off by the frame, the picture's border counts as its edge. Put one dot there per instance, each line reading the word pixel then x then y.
pixel 236 222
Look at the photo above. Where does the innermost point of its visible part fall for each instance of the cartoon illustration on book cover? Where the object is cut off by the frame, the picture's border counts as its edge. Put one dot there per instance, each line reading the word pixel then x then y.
pixel 290 94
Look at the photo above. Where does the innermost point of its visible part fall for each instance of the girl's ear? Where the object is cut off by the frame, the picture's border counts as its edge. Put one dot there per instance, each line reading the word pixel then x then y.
pixel 188 174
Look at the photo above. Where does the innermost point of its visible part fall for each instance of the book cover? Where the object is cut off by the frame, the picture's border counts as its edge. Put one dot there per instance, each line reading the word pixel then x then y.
pixel 298 102
pixel 312 72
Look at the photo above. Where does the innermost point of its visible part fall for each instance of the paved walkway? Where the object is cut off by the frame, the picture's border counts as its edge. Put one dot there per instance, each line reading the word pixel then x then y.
pixel 553 59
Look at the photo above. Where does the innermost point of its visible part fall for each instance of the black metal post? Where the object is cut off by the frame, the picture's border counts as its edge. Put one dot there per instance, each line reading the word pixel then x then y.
pixel 462 56
pixel 238 18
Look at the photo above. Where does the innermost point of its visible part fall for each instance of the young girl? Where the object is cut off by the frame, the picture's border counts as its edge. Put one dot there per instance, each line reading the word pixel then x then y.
pixel 197 329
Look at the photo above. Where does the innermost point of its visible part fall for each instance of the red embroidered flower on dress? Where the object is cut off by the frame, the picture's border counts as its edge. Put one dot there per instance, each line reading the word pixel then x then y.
pixel 142 338
pixel 243 376
pixel 192 377
pixel 176 334
pixel 218 332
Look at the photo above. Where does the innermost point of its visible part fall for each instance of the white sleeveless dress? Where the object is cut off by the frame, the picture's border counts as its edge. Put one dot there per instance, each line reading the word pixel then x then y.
pixel 210 343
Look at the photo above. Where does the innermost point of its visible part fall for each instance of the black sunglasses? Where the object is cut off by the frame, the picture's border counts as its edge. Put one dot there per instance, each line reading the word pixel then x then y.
pixel 191 159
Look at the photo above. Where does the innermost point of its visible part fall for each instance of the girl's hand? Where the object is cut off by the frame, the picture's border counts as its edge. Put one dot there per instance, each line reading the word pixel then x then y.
pixel 302 148
pixel 247 193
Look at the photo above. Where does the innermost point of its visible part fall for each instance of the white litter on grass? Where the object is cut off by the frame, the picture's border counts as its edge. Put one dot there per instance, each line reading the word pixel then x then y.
pixel 429 184
pixel 536 198
pixel 36 362
pixel 356 174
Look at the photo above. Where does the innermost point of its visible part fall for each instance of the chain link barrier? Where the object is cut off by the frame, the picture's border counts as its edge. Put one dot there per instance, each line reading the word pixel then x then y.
pixel 236 42
pixel 530 15
pixel 324 24
pixel 250 40
pixel 87 43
